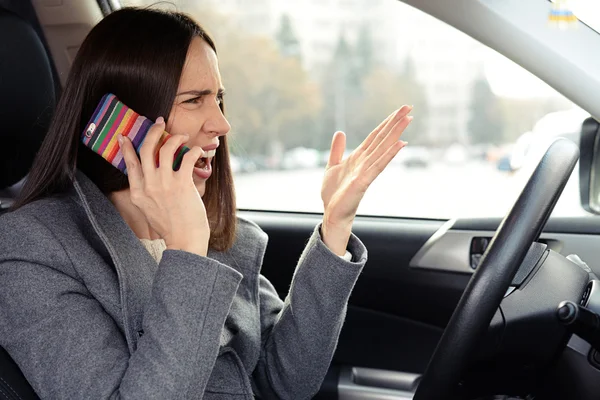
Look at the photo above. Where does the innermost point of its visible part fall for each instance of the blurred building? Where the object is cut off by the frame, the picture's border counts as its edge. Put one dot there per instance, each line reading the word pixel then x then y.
pixel 446 60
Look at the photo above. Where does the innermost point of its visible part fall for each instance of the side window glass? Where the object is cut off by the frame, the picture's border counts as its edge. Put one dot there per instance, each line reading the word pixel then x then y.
pixel 296 71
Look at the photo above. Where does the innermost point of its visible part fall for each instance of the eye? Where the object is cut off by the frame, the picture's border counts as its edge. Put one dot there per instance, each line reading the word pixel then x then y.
pixel 194 100
pixel 220 98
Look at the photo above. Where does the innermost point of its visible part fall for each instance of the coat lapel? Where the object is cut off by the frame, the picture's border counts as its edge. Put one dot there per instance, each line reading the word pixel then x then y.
pixel 134 265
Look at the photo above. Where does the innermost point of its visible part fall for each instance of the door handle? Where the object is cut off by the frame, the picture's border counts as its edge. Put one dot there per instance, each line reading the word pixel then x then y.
pixel 376 384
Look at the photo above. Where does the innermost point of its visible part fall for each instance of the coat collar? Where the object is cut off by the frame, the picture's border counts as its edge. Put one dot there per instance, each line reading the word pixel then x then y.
pixel 134 265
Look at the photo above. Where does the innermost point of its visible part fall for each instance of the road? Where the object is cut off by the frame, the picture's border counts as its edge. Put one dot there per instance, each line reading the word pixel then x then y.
pixel 474 189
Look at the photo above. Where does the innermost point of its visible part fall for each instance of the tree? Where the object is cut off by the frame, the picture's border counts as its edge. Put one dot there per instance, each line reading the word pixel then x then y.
pixel 486 123
pixel 364 50
pixel 411 91
pixel 342 92
pixel 288 43
pixel 272 100
pixel 386 91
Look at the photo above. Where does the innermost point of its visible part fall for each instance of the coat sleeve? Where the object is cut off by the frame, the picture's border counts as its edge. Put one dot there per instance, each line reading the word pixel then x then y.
pixel 68 346
pixel 299 335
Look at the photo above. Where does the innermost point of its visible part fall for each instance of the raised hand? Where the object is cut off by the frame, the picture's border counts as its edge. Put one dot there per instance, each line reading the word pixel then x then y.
pixel 346 181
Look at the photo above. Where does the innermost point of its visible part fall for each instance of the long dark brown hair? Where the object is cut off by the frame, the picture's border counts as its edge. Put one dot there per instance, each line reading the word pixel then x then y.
pixel 138 54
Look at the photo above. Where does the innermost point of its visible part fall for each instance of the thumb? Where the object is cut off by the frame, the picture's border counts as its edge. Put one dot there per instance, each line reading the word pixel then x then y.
pixel 338 146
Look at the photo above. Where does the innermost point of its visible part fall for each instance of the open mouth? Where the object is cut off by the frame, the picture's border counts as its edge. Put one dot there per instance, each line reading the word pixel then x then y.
pixel 204 162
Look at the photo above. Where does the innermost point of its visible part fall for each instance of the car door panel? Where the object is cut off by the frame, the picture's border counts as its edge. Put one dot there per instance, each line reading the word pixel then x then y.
pixel 566 235
pixel 391 302
pixel 415 275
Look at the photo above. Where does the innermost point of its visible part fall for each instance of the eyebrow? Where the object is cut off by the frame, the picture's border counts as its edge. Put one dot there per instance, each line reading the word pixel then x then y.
pixel 204 92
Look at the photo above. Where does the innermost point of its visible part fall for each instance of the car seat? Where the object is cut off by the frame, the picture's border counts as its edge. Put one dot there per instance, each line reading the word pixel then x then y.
pixel 27 100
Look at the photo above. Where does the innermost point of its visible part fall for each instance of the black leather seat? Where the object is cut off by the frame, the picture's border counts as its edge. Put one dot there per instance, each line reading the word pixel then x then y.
pixel 27 100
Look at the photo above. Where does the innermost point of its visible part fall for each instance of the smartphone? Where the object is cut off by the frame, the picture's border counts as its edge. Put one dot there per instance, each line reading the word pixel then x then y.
pixel 112 117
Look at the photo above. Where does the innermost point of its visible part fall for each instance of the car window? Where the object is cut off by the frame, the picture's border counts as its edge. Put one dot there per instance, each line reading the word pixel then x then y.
pixel 296 71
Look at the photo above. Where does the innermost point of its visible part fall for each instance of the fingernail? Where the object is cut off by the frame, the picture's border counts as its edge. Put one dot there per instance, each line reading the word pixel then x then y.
pixel 160 120
pixel 120 138
pixel 410 118
pixel 404 110
pixel 403 143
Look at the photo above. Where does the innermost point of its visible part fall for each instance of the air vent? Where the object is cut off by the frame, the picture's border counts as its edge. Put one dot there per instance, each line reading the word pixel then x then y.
pixel 586 295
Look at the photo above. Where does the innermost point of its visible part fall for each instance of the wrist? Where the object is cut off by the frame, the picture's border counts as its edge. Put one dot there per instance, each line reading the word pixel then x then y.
pixel 333 224
pixel 336 235
pixel 190 249
pixel 191 246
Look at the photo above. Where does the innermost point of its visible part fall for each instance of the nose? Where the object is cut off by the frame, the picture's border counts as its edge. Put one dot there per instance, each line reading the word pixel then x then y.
pixel 217 124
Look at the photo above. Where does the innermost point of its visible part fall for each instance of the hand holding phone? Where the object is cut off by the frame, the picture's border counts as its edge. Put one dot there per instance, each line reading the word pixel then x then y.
pixel 160 174
pixel 111 118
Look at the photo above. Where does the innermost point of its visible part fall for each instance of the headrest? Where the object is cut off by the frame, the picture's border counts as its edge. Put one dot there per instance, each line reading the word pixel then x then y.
pixel 27 97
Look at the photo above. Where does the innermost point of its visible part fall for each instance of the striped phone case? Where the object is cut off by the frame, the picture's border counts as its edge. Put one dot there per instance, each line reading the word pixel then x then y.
pixel 112 117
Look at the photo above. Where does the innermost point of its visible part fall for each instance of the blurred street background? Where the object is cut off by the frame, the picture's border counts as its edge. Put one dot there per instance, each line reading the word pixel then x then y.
pixel 295 71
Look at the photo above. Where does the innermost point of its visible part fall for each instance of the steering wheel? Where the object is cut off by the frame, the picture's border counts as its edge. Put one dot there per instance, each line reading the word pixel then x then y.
pixel 520 228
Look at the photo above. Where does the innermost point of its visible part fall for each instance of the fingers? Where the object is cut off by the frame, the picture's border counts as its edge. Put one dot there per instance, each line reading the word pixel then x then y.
pixel 392 136
pixel 167 154
pixel 134 170
pixel 189 160
pixel 338 146
pixel 148 149
pixel 365 144
pixel 379 165
pixel 381 132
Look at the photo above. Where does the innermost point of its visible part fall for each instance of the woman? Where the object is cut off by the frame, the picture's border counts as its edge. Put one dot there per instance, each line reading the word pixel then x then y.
pixel 146 285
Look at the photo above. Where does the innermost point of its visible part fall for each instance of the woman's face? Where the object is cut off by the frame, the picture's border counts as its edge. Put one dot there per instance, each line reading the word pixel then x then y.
pixel 196 110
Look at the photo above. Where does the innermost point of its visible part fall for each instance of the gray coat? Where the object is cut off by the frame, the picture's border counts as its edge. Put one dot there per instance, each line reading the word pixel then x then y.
pixel 86 312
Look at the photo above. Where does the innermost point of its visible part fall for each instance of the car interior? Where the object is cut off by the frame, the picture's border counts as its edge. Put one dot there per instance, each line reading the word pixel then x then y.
pixel 457 308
